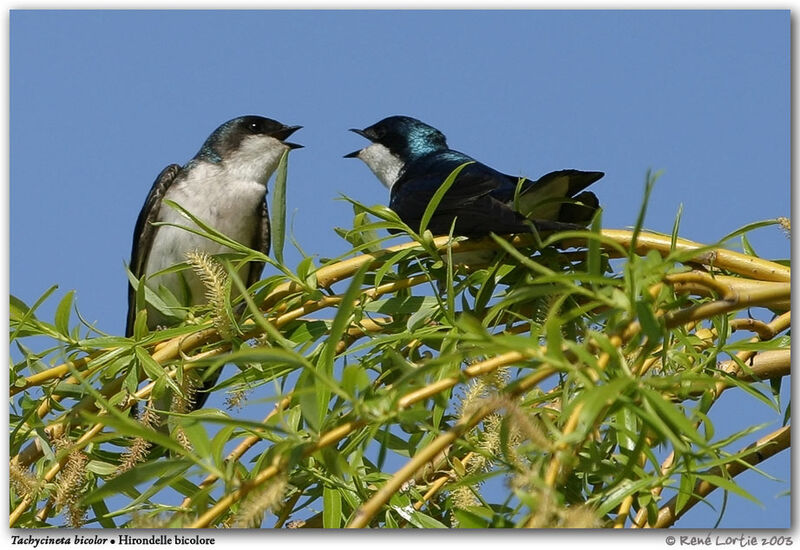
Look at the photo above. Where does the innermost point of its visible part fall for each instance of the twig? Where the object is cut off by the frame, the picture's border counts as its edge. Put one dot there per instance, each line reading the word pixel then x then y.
pixel 755 453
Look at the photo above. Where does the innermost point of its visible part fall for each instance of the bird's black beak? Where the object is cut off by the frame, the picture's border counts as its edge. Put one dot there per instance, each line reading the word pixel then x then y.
pixel 361 133
pixel 285 132
pixel 293 145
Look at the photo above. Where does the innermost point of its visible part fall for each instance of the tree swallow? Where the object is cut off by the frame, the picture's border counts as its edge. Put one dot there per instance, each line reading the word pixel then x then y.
pixel 412 159
pixel 225 186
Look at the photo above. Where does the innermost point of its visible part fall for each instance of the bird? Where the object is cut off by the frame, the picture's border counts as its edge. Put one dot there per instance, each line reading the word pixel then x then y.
pixel 225 186
pixel 412 159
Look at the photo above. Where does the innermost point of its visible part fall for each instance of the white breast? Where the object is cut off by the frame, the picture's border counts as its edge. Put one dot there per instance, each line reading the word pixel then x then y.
pixel 216 196
pixel 384 164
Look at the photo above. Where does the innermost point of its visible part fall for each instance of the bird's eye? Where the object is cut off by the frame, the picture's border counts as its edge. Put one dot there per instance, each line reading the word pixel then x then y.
pixel 253 127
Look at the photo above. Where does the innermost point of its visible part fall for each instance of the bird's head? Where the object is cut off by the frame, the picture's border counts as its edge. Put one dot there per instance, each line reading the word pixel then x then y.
pixel 396 140
pixel 404 136
pixel 252 144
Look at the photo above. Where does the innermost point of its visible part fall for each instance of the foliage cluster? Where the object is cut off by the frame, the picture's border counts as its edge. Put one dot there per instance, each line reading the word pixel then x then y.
pixel 561 380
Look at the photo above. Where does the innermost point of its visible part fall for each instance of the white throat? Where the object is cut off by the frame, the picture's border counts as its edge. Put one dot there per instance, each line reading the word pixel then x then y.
pixel 256 158
pixel 384 164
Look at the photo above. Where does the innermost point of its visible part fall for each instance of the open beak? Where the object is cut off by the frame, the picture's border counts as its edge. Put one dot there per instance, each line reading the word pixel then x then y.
pixel 285 132
pixel 361 133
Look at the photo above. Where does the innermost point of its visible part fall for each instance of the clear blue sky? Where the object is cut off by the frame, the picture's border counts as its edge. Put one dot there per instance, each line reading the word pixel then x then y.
pixel 102 101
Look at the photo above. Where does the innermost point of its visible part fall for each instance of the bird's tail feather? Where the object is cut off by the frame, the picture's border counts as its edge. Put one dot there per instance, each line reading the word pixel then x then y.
pixel 557 196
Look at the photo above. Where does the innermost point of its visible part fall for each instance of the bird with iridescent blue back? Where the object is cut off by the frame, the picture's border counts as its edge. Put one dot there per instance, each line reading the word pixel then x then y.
pixel 225 186
pixel 413 159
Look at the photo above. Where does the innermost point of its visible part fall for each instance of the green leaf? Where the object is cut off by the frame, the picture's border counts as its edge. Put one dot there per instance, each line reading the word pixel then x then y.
pixel 612 499
pixel 647 318
pixel 437 197
pixel 595 401
pixel 28 312
pixel 277 227
pixel 420 317
pixel 153 370
pixel 627 427
pixel 402 304
pixel 685 491
pixel 331 508
pixel 675 227
pixel 728 485
pixel 306 395
pixel 204 230
pixel 354 380
pixel 196 434
pixel 427 522
pixel 342 319
pixel 593 255
pixel 747 229
pixel 674 418
pixel 17 308
pixel 102 515
pixel 218 443
pixel 164 468
pixel 469 519
pixel 650 182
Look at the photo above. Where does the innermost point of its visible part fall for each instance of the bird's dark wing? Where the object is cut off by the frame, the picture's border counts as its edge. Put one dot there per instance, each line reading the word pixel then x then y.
pixel 468 201
pixel 482 199
pixel 558 196
pixel 426 174
pixel 474 217
pixel 468 196
pixel 260 243
pixel 144 233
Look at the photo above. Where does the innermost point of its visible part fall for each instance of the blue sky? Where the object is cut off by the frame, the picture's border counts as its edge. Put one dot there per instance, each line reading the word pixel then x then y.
pixel 102 101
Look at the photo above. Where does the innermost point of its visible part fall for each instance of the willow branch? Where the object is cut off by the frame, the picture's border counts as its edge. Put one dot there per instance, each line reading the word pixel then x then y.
pixel 776 326
pixel 753 454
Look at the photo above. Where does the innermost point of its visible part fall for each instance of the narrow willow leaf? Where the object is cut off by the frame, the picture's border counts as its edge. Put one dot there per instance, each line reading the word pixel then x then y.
pixel 277 226
pixel 29 312
pixel 331 508
pixel 340 323
pixel 747 248
pixel 685 491
pixel 437 197
pixel 150 470
pixel 197 435
pixel 153 370
pixel 306 395
pixel 747 229
pixel 468 519
pixel 401 304
pixel 650 181
pixel 17 308
pixel 427 522
pixel 593 255
pixel 384 442
pixel 205 230
pixel 612 500
pixel 354 380
pixel 728 485
pixel 596 400
pixel 218 443
pixel 676 227
pixel 647 319
pixel 671 414
pixel 628 426
pixel 102 515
